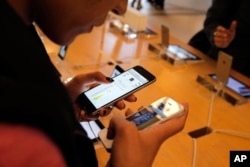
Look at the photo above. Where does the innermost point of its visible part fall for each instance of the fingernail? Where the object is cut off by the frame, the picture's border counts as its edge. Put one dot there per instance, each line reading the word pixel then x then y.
pixel 109 79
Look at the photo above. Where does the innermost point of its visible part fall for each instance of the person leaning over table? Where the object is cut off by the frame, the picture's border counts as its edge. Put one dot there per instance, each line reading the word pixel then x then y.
pixel 33 96
pixel 226 28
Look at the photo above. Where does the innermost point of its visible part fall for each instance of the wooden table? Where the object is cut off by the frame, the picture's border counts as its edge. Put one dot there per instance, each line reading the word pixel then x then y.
pixel 90 52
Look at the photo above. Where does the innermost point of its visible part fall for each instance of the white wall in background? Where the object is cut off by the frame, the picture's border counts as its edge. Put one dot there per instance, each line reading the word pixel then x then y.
pixel 192 4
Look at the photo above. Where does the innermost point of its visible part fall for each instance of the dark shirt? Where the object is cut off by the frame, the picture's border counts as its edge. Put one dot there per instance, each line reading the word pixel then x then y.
pixel 32 94
pixel 223 12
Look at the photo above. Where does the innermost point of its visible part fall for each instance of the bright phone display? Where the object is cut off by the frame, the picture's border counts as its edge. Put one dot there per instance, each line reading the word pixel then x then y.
pixel 181 52
pixel 123 84
pixel 236 86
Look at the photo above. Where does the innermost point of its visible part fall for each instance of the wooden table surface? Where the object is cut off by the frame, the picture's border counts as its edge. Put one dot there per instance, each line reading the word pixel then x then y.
pixel 90 52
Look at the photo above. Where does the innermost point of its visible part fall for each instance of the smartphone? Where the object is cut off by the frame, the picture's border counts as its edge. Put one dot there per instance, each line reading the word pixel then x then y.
pixel 236 86
pixel 123 85
pixel 62 51
pixel 117 70
pixel 223 67
pixel 92 129
pixel 181 53
pixel 157 112
pixel 164 36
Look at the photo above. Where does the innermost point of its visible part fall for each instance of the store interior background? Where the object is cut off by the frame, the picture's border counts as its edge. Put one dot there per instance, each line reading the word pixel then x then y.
pixel 183 17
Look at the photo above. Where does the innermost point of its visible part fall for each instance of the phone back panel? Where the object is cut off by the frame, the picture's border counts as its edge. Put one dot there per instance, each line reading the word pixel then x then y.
pixel 223 68
pixel 164 36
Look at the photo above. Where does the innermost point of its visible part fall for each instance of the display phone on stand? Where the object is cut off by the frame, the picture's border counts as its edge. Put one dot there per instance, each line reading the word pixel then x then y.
pixel 124 84
pixel 157 112
pixel 164 36
pixel 182 53
pixel 223 67
pixel 235 85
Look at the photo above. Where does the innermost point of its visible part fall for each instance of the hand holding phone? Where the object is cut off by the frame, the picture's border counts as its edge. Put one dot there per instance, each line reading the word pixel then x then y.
pixel 157 112
pixel 123 85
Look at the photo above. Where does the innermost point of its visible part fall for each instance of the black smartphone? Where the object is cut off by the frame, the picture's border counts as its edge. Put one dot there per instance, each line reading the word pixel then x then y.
pixel 123 85
pixel 235 85
pixel 62 51
pixel 117 70
pixel 181 53
pixel 92 128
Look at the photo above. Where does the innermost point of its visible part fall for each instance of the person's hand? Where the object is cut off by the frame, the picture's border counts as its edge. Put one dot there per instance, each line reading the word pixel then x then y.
pixel 81 83
pixel 132 147
pixel 223 37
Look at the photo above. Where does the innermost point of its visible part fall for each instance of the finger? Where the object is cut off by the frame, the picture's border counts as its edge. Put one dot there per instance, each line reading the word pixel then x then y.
pixel 89 78
pixel 170 127
pixel 221 42
pixel 119 126
pixel 92 85
pixel 128 112
pixel 220 34
pixel 221 29
pixel 106 111
pixel 233 26
pixel 120 104
pixel 131 98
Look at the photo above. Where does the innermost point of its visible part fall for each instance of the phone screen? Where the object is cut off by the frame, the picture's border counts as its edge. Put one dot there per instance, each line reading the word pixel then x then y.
pixel 236 86
pixel 181 52
pixel 123 84
pixel 92 128
pixel 158 111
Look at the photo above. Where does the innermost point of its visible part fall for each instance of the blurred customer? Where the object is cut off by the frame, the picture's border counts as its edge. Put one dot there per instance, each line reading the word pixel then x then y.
pixel 226 28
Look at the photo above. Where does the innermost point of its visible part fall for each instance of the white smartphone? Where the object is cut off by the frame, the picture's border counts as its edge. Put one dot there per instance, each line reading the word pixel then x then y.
pixel 157 112
pixel 123 85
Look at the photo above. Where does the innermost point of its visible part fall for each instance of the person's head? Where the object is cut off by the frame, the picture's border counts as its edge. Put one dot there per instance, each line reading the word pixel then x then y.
pixel 63 20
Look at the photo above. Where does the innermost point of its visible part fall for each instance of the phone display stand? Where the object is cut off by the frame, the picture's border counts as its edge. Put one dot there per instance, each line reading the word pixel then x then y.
pixel 161 51
pixel 225 93
pixel 129 32
pixel 173 59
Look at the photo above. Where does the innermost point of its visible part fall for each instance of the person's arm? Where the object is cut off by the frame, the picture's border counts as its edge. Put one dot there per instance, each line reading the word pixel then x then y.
pixel 221 13
pixel 132 147
pixel 82 82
